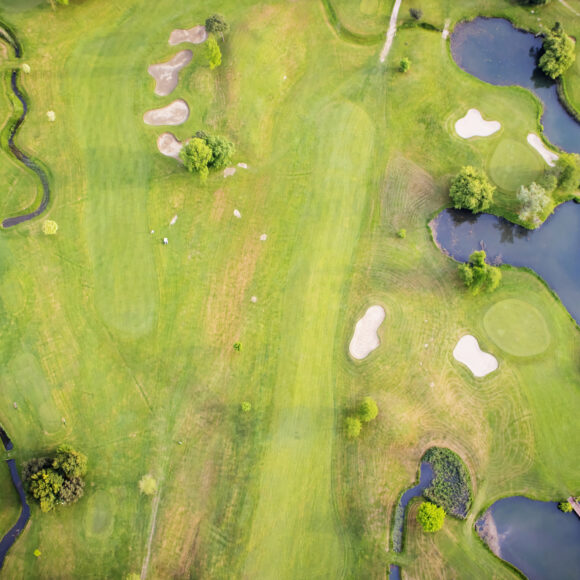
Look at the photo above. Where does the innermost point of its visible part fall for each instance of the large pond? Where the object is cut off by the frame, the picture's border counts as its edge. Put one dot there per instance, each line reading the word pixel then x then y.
pixel 492 50
pixel 534 536
pixel 553 250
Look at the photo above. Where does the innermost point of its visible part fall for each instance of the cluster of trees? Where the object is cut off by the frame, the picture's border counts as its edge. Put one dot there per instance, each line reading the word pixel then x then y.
pixel 477 275
pixel 367 411
pixel 56 480
pixel 204 152
pixel 215 24
pixel 430 516
pixel 534 200
pixel 558 52
pixel 471 189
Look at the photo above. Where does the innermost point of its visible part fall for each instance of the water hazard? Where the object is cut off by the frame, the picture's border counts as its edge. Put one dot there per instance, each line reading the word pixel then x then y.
pixel 552 251
pixel 534 536
pixel 492 50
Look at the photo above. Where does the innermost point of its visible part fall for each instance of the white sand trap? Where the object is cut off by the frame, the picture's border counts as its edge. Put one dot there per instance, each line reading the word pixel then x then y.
pixel 445 33
pixel 474 125
pixel 195 35
pixel 467 352
pixel 174 219
pixel 365 338
pixel 243 165
pixel 174 114
pixel 549 156
pixel 169 145
pixel 237 213
pixel 263 237
pixel 166 74
pixel 229 171
pixel 51 116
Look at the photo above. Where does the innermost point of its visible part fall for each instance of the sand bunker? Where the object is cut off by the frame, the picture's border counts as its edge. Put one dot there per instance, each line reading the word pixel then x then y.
pixel 174 114
pixel 169 145
pixel 166 74
pixel 549 156
pixel 467 352
pixel 229 171
pixel 195 35
pixel 474 125
pixel 365 338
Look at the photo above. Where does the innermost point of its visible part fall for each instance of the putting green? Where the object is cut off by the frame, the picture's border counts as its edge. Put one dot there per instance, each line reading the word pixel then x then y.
pixel 513 164
pixel 517 327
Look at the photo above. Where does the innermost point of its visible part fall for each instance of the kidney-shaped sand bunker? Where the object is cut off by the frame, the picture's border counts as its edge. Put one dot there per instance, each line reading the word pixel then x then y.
pixel 467 352
pixel 365 338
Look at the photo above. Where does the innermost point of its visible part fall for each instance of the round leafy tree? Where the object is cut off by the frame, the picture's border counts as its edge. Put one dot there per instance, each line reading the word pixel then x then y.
pixel 470 189
pixel 353 427
pixel 368 410
pixel 565 506
pixel 558 52
pixel 217 24
pixel 431 517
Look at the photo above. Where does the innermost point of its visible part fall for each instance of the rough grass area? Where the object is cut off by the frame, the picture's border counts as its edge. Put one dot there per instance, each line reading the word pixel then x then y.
pixel 517 327
pixel 131 341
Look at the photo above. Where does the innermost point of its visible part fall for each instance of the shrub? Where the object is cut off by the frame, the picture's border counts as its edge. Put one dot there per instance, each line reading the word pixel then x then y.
pixel 404 65
pixel 49 227
pixel 352 427
pixel 451 485
pixel 470 189
pixel 565 506
pixel 246 406
pixel 477 275
pixel 416 13
pixel 431 517
pixel 148 485
pixel 558 52
pixel 568 172
pixel 402 233
pixel 368 410
pixel 213 53
pixel 238 346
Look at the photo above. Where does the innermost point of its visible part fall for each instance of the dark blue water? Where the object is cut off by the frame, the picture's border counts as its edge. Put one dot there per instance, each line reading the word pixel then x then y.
pixel 553 250
pixel 394 572
pixel 492 50
pixel 425 479
pixel 537 538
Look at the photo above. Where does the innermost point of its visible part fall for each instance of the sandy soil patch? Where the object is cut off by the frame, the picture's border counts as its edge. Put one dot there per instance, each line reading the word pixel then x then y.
pixel 474 125
pixel 467 352
pixel 169 145
pixel 549 156
pixel 166 74
pixel 229 171
pixel 243 165
pixel 175 113
pixel 445 33
pixel 195 35
pixel 365 338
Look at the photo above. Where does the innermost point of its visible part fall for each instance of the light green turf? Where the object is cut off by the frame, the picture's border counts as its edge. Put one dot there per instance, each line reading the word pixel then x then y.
pixel 517 327
pixel 131 341
pixel 513 164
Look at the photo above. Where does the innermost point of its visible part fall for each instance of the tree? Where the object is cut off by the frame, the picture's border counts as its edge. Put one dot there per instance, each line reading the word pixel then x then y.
pixel 470 189
pixel 402 233
pixel 353 427
pixel 72 490
pixel 478 275
pixel 148 485
pixel 222 151
pixel 49 227
pixel 558 52
pixel 568 172
pixel 431 517
pixel 565 506
pixel 368 410
pixel 534 201
pixel 217 24
pixel 404 65
pixel 416 13
pixel 213 53
pixel 72 463
pixel 195 156
pixel 44 487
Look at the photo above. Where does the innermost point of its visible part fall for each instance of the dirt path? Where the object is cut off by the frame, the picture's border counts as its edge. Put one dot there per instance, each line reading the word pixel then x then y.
pixel 151 534
pixel 391 31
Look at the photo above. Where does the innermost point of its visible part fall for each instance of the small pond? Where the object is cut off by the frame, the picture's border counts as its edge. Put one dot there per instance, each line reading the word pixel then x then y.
pixel 534 536
pixel 425 479
pixel 553 250
pixel 492 50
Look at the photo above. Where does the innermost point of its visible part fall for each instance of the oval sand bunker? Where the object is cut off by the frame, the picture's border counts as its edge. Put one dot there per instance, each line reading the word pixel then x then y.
pixel 169 145
pixel 174 114
pixel 467 352
pixel 195 35
pixel 166 74
pixel 365 338
pixel 474 125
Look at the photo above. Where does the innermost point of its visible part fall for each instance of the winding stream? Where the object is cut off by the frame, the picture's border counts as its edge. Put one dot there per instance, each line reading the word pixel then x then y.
pixel 15 125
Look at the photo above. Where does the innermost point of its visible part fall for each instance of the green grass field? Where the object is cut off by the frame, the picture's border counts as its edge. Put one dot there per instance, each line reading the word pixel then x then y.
pixel 131 342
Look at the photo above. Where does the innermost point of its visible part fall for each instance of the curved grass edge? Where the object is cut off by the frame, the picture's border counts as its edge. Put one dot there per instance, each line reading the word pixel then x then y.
pixel 17 97
pixel 344 33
